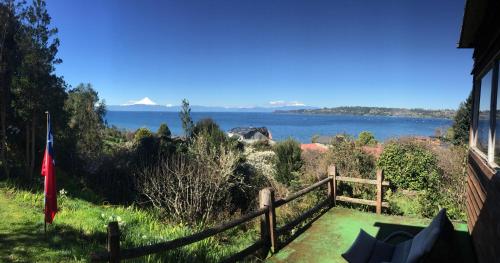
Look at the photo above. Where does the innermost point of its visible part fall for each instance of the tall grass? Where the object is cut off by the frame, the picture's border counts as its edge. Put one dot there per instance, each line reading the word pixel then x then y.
pixel 80 228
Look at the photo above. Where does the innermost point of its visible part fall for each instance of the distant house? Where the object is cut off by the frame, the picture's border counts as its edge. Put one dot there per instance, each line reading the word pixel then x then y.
pixel 374 151
pixel 250 134
pixel 323 139
pixel 481 31
pixel 314 147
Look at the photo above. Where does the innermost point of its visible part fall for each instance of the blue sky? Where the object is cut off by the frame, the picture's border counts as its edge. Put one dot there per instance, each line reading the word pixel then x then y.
pixel 243 53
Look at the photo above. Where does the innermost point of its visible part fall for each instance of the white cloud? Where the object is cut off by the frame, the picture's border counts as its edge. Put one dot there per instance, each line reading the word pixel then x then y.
pixel 144 101
pixel 281 103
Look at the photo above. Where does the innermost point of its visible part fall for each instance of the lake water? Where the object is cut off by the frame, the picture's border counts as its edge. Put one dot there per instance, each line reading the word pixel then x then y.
pixel 282 126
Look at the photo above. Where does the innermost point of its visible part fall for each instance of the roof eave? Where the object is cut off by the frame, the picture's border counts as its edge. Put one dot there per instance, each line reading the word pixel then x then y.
pixel 473 15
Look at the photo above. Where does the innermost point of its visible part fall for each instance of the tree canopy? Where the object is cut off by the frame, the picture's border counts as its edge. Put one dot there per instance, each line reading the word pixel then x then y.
pixel 462 121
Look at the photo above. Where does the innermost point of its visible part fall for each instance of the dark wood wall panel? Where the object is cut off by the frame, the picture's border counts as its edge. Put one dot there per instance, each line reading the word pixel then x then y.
pixel 483 209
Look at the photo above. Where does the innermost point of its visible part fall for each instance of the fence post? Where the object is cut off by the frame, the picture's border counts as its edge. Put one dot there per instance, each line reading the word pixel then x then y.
pixel 268 220
pixel 113 242
pixel 332 184
pixel 380 178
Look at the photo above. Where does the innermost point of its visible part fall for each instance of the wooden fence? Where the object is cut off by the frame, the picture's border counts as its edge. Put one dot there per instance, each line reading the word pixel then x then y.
pixel 379 183
pixel 269 232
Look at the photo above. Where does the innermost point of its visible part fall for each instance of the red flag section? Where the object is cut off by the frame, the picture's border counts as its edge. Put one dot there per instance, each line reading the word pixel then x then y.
pixel 48 171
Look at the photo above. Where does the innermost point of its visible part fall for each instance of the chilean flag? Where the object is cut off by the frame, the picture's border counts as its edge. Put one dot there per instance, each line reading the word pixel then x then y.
pixel 48 170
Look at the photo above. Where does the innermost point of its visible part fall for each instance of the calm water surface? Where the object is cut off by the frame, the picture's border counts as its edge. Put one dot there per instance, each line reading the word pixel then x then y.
pixel 282 126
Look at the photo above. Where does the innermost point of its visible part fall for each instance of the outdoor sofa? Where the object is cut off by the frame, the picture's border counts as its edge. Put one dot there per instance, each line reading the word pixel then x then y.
pixel 367 249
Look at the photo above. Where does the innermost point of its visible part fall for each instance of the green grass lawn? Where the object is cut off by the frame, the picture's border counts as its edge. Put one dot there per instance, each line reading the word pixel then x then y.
pixel 80 228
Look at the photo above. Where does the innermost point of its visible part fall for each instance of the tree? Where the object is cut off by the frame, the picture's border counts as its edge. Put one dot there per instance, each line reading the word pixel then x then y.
pixel 211 129
pixel 9 60
pixel 187 121
pixel 35 83
pixel 288 161
pixel 462 121
pixel 164 132
pixel 366 138
pixel 86 120
pixel 166 145
pixel 142 133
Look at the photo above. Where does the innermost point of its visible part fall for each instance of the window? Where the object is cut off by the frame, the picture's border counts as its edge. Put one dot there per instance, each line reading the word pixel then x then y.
pixel 483 122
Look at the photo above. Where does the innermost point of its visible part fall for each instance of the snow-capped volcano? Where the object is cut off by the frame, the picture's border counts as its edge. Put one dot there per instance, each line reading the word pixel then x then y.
pixel 144 101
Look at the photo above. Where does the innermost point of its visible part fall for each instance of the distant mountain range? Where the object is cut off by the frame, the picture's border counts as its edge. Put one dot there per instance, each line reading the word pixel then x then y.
pixel 299 109
pixel 197 108
pixel 376 111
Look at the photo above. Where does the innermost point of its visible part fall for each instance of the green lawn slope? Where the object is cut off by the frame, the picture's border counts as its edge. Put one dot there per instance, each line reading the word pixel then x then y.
pixel 80 228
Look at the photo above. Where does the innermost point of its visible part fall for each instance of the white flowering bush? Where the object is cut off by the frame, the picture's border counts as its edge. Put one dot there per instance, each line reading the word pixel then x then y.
pixel 261 161
pixel 264 170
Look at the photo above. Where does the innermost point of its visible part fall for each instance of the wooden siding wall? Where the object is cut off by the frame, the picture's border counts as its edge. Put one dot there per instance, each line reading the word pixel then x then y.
pixel 483 208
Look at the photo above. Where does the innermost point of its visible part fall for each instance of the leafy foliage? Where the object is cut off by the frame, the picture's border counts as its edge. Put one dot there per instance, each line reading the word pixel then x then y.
pixel 409 165
pixel 86 120
pixel 435 177
pixel 166 145
pixel 142 133
pixel 164 132
pixel 288 161
pixel 351 161
pixel 146 145
pixel 366 138
pixel 185 116
pixel 29 84
pixel 462 121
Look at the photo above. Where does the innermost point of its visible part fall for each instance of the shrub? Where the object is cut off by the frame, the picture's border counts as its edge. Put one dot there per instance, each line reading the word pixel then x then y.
pixel 288 162
pixel 259 173
pixel 366 138
pixel 351 161
pixel 142 133
pixel 166 145
pixel 146 143
pixel 452 164
pixel 436 175
pixel 164 132
pixel 262 162
pixel 409 165
pixel 191 187
pixel 215 137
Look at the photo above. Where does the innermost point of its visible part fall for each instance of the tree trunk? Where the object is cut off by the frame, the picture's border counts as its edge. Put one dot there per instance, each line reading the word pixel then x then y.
pixel 3 125
pixel 27 156
pixel 32 159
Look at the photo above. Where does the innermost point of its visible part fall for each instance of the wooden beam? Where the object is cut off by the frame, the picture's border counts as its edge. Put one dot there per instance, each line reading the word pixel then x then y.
pixel 114 242
pixel 179 242
pixel 300 193
pixel 332 184
pixel 360 180
pixel 380 178
pixel 360 201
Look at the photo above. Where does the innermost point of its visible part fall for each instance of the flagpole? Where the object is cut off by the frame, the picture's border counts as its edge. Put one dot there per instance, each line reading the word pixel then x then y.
pixel 44 194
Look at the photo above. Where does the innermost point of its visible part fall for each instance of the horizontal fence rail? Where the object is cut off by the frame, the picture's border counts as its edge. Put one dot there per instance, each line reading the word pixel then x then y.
pixel 176 243
pixel 379 183
pixel 359 180
pixel 269 233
